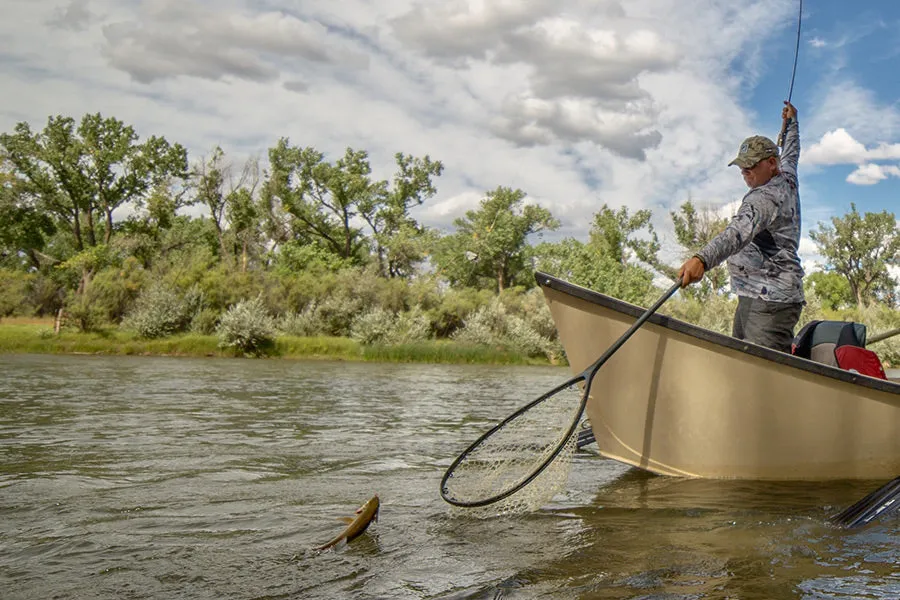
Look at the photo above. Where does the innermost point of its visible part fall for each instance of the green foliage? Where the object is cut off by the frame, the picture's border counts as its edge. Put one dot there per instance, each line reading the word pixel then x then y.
pixel 715 312
pixel 831 289
pixel 294 257
pixel 399 242
pixel 114 290
pixel 161 311
pixel 379 326
pixel 860 248
pixel 320 199
pixel 79 175
pixel 82 312
pixel 585 265
pixel 14 293
pixel 204 321
pixel 24 227
pixel 489 248
pixel 693 230
pixel 494 325
pixel 247 328
pixel 454 307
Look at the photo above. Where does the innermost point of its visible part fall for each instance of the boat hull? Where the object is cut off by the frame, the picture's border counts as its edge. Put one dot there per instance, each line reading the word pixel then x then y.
pixel 680 400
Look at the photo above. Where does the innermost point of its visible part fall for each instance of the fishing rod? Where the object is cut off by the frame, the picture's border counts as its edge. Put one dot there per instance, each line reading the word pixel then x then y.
pixel 793 72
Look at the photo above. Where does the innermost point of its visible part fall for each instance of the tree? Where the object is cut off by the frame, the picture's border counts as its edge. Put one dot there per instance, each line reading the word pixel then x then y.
pixel 610 261
pixel 24 229
pixel 399 241
pixel 81 175
pixel 586 265
pixel 613 235
pixel 321 198
pixel 490 244
pixel 694 230
pixel 831 288
pixel 860 248
pixel 231 203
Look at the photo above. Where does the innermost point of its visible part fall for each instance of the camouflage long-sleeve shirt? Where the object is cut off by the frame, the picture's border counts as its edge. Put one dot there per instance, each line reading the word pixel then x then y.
pixel 761 240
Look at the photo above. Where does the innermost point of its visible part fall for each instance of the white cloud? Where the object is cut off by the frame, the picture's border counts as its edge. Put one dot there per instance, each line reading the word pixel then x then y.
pixel 74 16
pixel 168 38
pixel 838 147
pixel 809 255
pixel 576 102
pixel 870 174
pixel 835 148
pixel 817 42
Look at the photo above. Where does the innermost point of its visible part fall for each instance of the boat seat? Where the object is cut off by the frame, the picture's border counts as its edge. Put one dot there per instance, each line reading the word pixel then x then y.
pixel 839 344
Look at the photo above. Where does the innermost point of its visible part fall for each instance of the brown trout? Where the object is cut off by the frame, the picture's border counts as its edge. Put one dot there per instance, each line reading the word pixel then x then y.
pixel 365 514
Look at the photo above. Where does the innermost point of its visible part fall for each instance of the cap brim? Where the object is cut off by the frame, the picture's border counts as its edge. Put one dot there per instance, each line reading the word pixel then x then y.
pixel 741 163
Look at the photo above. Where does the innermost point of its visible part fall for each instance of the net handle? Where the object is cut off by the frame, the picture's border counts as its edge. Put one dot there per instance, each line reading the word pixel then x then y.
pixel 587 376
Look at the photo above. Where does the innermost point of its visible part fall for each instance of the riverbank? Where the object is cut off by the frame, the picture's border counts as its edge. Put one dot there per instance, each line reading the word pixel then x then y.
pixel 36 336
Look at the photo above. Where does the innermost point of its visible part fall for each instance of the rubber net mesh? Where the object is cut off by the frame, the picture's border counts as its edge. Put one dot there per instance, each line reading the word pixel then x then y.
pixel 512 453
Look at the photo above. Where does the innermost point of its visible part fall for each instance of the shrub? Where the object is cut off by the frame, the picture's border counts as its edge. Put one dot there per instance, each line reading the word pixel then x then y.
pixel 247 327
pixel 160 311
pixel 82 311
pixel 372 327
pixel 14 292
pixel 379 326
pixel 299 324
pixel 411 326
pixel 115 289
pixel 204 321
pixel 492 325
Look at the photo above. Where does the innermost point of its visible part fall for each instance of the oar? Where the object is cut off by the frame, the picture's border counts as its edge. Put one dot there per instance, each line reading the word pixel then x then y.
pixel 882 336
pixel 881 502
pixel 585 437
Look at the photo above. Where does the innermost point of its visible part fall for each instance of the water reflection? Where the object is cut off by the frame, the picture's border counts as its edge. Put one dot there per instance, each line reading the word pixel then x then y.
pixel 159 478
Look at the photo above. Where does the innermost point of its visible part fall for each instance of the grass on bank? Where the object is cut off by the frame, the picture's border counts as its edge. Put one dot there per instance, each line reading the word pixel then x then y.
pixel 36 336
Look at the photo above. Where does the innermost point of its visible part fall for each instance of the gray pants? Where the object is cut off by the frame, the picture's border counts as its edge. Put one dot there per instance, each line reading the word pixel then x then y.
pixel 769 324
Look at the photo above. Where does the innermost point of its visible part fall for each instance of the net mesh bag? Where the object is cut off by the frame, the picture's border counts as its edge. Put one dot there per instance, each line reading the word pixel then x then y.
pixel 512 454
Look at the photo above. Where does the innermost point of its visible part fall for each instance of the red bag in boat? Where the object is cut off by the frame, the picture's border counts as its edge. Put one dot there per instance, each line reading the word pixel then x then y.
pixel 859 360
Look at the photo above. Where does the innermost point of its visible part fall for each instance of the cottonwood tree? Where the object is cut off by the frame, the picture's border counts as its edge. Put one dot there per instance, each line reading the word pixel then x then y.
pixel 860 248
pixel 24 228
pixel 693 230
pixel 321 198
pixel 490 245
pixel 230 197
pixel 399 241
pixel 79 174
pixel 610 261
pixel 832 289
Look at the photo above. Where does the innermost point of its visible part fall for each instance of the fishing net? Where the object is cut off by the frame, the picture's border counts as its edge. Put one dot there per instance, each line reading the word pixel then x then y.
pixel 520 465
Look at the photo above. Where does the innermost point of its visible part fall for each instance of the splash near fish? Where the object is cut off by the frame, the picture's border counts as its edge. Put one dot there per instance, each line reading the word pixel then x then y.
pixel 365 514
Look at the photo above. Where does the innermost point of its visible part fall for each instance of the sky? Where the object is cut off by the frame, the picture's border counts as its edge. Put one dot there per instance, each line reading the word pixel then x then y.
pixel 579 103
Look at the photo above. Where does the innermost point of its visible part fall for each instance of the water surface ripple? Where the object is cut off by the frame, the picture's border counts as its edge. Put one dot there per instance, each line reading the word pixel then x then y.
pixel 136 477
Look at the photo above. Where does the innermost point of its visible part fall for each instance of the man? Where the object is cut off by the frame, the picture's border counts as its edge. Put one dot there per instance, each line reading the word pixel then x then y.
pixel 760 243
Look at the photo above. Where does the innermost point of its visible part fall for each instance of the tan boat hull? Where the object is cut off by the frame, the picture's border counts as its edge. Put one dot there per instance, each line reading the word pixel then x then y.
pixel 679 400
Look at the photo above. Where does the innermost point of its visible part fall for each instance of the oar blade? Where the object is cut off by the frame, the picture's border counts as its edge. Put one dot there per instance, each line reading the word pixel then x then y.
pixel 882 502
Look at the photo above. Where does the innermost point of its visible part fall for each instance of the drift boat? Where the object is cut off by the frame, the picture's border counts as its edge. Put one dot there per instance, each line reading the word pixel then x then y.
pixel 677 399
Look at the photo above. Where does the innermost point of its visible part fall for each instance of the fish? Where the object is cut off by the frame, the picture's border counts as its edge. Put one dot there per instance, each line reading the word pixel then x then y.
pixel 365 514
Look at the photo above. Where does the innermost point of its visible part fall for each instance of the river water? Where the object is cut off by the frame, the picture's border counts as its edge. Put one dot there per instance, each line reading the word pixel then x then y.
pixel 138 477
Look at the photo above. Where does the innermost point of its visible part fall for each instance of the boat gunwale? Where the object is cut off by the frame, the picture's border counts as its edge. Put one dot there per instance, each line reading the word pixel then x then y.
pixel 713 337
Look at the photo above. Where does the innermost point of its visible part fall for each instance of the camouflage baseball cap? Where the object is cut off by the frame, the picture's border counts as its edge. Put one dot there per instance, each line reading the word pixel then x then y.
pixel 753 150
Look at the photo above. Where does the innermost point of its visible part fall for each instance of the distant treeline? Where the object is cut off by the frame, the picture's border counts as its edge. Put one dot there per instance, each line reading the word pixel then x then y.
pixel 312 246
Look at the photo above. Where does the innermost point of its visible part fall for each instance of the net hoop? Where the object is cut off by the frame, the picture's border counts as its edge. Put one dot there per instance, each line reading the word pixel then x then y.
pixel 563 442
